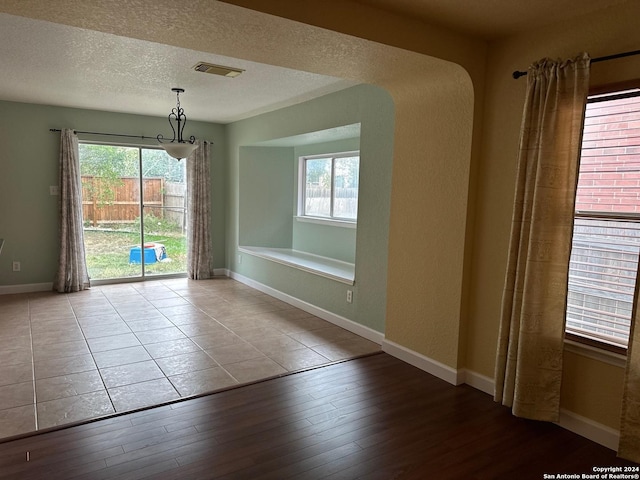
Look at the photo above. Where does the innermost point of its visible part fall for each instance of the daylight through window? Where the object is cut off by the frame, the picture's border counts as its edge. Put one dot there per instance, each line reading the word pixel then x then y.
pixel 330 186
pixel 134 211
pixel 606 234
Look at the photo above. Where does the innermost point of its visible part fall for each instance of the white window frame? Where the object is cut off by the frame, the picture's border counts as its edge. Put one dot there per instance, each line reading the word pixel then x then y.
pixel 302 182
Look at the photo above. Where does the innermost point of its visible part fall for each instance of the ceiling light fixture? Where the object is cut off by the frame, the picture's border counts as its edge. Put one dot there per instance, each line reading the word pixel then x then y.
pixel 178 147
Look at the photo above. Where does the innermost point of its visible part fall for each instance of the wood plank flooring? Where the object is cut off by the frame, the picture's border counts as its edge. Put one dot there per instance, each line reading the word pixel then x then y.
pixel 372 418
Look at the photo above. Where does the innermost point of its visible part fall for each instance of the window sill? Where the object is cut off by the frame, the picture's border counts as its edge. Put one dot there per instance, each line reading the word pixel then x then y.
pixel 331 268
pixel 326 221
pixel 595 353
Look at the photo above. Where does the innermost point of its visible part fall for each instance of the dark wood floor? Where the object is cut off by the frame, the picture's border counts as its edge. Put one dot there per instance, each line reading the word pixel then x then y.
pixel 372 418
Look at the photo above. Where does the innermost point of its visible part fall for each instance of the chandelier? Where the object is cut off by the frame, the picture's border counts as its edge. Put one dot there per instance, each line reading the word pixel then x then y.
pixel 178 147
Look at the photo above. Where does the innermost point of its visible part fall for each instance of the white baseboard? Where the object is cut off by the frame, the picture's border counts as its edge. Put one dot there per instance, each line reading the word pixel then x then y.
pixel 338 320
pixel 26 288
pixel 585 427
pixel 435 368
pixel 480 382
pixel 48 287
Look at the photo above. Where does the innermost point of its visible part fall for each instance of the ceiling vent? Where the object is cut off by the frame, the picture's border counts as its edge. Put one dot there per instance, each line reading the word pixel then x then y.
pixel 217 69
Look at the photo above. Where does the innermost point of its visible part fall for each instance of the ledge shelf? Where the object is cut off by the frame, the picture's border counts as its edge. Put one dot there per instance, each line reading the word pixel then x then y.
pixel 337 270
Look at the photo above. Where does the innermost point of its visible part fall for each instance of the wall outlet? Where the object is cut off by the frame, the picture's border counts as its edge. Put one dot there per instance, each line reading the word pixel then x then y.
pixel 54 190
pixel 239 259
pixel 16 266
pixel 349 296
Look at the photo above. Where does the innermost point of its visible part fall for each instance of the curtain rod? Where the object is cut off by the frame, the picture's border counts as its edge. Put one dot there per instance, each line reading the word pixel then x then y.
pixel 517 74
pixel 108 134
pixel 115 135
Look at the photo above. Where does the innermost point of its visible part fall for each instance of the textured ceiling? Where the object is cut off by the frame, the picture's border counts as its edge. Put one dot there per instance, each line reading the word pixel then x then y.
pixel 144 48
pixel 52 64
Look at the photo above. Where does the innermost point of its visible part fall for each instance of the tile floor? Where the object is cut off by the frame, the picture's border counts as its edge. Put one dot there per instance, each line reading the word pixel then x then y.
pixel 114 348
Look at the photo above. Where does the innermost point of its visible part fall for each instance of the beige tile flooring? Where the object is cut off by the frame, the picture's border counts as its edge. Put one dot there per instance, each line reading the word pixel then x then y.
pixel 70 357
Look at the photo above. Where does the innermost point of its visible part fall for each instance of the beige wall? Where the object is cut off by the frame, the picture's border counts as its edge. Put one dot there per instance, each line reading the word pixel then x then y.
pixel 590 388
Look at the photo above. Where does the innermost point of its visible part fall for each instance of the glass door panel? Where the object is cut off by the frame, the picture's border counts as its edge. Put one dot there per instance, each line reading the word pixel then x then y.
pixel 111 210
pixel 164 213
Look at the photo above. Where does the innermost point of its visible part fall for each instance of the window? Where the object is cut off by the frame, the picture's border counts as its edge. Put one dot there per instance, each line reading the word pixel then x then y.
pixel 329 186
pixel 606 234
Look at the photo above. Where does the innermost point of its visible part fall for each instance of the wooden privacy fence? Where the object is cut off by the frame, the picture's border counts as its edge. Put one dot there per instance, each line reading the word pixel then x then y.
pixel 106 200
pixel 174 203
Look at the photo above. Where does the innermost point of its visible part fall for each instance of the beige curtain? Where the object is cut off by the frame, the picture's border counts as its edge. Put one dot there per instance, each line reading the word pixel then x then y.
pixel 199 252
pixel 72 275
pixel 529 360
pixel 629 446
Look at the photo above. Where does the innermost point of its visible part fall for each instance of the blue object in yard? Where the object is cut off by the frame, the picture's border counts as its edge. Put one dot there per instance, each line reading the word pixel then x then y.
pixel 153 252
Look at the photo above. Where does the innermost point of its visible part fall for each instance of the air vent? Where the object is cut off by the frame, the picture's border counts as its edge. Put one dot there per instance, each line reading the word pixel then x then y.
pixel 217 69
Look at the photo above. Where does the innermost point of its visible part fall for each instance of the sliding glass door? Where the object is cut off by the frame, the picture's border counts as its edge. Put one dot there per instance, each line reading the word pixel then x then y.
pixel 164 194
pixel 133 210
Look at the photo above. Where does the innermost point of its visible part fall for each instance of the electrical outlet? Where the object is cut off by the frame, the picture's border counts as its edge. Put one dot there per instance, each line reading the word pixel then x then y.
pixel 16 266
pixel 54 190
pixel 349 296
pixel 239 259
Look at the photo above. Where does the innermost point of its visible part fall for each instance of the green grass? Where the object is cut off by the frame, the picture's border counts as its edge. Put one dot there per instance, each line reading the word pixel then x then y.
pixel 107 253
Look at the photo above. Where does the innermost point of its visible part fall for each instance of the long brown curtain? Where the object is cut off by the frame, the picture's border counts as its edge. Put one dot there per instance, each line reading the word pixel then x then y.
pixel 200 248
pixel 629 446
pixel 72 275
pixel 529 360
